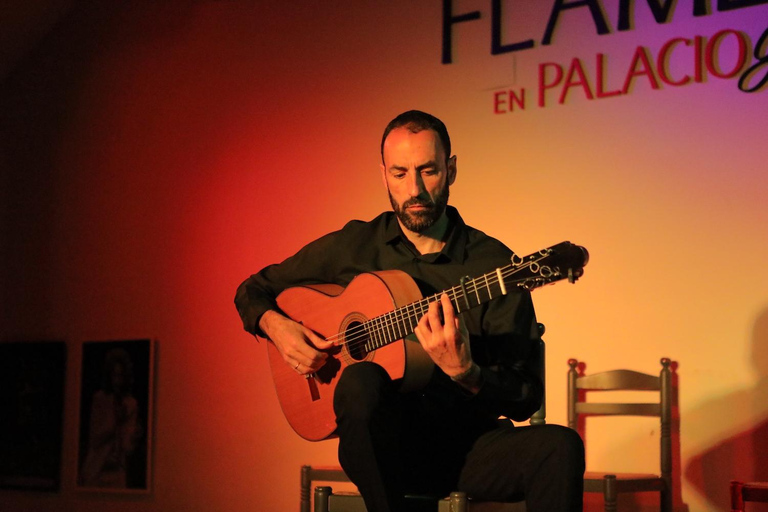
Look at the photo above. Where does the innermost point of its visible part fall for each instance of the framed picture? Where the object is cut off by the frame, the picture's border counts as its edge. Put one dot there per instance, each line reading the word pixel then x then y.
pixel 31 414
pixel 115 439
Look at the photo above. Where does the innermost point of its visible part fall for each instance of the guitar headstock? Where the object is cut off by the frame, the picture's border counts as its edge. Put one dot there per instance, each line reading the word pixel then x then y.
pixel 562 261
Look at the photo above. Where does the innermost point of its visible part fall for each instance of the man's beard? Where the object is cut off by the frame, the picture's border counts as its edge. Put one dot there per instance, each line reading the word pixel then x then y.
pixel 420 221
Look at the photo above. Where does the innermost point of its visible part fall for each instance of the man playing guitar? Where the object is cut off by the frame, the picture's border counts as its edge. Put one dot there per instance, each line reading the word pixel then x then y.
pixel 446 434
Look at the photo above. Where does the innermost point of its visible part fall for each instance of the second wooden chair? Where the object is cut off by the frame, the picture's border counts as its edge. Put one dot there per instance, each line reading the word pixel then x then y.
pixel 659 388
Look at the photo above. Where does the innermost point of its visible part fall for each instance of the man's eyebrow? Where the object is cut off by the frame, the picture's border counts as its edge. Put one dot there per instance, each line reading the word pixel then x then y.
pixel 426 165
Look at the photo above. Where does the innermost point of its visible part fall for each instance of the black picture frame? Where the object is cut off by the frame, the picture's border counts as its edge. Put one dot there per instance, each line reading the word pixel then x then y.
pixel 32 380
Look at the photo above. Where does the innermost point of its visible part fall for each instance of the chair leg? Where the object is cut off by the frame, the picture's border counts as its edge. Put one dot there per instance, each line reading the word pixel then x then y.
pixel 666 500
pixel 321 498
pixel 458 502
pixel 609 493
pixel 305 484
pixel 737 498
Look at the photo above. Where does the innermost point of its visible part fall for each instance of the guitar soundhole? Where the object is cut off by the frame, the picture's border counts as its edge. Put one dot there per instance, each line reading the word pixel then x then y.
pixel 356 339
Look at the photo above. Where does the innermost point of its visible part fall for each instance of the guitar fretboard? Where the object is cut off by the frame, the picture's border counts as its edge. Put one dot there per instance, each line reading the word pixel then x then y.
pixel 530 272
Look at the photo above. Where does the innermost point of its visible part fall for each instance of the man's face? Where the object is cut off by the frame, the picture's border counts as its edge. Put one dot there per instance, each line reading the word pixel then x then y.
pixel 417 176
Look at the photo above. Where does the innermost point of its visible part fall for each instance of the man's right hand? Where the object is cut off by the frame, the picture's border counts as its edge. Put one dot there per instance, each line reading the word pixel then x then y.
pixel 300 347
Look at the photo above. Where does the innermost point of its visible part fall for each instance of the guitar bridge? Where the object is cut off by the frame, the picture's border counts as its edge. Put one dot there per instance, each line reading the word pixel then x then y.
pixel 314 393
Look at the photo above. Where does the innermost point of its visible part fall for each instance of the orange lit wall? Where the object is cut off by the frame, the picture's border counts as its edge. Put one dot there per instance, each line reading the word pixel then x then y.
pixel 155 154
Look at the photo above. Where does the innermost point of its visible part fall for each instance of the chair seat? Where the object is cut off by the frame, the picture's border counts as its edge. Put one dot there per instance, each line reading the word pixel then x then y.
pixel 755 491
pixel 353 502
pixel 594 481
pixel 344 501
pixel 492 507
pixel 742 492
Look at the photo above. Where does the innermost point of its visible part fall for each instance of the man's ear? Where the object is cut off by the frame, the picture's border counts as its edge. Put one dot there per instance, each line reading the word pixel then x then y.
pixel 383 176
pixel 452 170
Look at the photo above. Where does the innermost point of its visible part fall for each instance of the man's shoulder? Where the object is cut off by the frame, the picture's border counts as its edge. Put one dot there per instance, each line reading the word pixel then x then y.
pixel 477 238
pixel 353 233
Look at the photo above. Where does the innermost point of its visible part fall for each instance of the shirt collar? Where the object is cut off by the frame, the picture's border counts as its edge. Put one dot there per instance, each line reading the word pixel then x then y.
pixel 455 246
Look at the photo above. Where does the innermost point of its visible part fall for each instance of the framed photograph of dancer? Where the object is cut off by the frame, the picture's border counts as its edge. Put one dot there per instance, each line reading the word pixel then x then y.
pixel 116 410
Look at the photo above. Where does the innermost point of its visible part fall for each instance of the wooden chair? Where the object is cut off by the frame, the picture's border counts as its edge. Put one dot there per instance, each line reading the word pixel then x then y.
pixel 325 500
pixel 741 492
pixel 610 484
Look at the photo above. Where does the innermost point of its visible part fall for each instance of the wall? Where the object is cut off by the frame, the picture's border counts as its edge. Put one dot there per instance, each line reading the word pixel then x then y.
pixel 153 156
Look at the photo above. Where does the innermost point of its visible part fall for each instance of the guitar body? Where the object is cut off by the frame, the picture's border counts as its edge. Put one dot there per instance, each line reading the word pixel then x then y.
pixel 331 311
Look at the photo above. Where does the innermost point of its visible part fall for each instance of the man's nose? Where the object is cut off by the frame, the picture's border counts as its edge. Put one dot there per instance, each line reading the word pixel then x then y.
pixel 416 185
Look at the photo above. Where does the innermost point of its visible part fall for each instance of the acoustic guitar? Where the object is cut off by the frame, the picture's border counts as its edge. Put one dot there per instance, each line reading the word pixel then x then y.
pixel 373 318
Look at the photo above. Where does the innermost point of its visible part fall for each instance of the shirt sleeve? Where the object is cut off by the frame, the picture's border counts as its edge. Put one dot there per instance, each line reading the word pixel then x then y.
pixel 313 264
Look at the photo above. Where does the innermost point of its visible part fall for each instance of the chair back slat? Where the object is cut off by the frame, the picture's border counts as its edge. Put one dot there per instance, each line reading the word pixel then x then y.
pixel 619 380
pixel 606 409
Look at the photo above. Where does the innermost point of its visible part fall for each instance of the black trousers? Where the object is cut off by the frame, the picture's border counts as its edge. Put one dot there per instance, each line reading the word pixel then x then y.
pixel 392 444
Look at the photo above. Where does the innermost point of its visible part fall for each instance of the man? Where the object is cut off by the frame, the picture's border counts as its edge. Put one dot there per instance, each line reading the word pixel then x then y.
pixel 447 435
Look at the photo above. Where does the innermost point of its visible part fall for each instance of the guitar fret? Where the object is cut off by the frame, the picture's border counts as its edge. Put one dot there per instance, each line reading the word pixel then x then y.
pixel 464 293
pixel 371 334
pixel 390 331
pixel 386 320
pixel 395 326
pixel 407 322
pixel 488 287
pixel 366 334
pixel 417 312
pixel 392 320
pixel 386 327
pixel 398 325
pixel 383 332
pixel 422 308
pixel 501 282
pixel 412 318
pixel 386 336
pixel 407 319
pixel 379 338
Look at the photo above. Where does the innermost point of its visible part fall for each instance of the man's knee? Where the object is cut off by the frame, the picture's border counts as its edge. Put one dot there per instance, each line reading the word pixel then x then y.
pixel 567 446
pixel 360 389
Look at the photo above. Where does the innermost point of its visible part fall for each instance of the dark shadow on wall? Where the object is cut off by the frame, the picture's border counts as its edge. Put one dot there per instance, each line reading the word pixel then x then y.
pixel 743 453
pixel 39 97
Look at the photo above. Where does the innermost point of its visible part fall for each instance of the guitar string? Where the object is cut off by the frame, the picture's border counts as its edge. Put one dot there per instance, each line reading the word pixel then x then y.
pixel 391 325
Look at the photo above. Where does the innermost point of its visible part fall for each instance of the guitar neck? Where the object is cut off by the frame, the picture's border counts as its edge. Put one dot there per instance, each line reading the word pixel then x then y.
pixel 564 260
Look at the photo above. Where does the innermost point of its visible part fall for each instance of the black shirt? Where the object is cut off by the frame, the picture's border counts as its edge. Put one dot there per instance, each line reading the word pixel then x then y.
pixel 501 331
